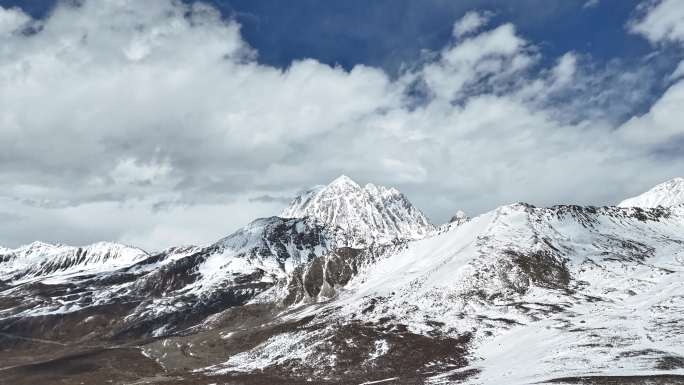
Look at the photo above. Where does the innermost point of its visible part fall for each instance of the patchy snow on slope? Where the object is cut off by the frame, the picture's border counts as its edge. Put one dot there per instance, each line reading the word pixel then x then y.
pixel 242 265
pixel 274 245
pixel 670 193
pixel 276 350
pixel 558 291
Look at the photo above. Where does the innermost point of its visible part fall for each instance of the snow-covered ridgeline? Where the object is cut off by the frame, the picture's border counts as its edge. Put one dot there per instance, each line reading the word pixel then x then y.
pixel 245 263
pixel 584 290
pixel 42 259
pixel 670 193
pixel 565 269
pixel 604 284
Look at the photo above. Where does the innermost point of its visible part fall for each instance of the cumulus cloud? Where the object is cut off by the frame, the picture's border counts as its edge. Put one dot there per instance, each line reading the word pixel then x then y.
pixel 662 123
pixel 470 23
pixel 661 21
pixel 565 70
pixel 11 20
pixel 152 123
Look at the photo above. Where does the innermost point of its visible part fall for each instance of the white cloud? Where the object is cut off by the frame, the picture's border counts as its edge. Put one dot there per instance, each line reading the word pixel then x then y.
pixel 591 4
pixel 663 21
pixel 470 23
pixel 565 70
pixel 130 222
pixel 152 123
pixel 678 72
pixel 662 123
pixel 492 55
pixel 11 20
pixel 128 171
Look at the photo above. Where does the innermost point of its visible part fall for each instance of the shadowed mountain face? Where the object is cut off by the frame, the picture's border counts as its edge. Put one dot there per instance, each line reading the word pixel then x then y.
pixel 357 287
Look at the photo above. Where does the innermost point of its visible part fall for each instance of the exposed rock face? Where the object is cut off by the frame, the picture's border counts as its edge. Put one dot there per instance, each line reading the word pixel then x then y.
pixel 517 295
pixel 667 194
pixel 367 215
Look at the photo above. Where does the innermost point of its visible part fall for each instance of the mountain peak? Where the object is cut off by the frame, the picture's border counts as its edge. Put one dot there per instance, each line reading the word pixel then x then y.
pixel 459 217
pixel 669 193
pixel 344 180
pixel 367 214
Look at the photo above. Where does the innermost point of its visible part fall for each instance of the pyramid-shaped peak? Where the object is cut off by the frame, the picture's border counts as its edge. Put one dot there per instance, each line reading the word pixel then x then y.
pixel 669 193
pixel 372 213
pixel 344 180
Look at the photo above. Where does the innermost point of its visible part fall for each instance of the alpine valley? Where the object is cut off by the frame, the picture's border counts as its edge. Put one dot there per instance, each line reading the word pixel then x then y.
pixel 353 285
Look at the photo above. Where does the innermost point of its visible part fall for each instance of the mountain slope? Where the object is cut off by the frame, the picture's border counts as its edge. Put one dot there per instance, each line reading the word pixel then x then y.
pixel 670 193
pixel 572 275
pixel 518 295
pixel 166 292
pixel 604 283
pixel 366 214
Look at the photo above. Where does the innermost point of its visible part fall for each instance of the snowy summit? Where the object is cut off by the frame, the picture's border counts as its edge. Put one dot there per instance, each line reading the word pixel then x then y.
pixel 366 214
pixel 667 194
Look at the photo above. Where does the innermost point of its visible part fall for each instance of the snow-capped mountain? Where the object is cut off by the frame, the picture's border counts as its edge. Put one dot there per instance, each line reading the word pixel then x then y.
pixel 188 281
pixel 603 283
pixel 518 295
pixel 670 193
pixel 584 290
pixel 369 214
pixel 41 259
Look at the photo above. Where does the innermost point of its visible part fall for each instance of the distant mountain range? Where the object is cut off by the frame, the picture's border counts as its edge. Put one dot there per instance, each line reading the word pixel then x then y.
pixel 353 285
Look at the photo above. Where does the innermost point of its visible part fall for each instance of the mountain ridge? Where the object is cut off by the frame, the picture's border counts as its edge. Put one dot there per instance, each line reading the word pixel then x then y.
pixel 668 193
pixel 296 300
pixel 41 258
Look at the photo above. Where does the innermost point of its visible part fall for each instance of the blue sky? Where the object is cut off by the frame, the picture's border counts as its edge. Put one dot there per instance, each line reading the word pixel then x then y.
pixel 182 121
pixel 393 34
pixel 386 33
